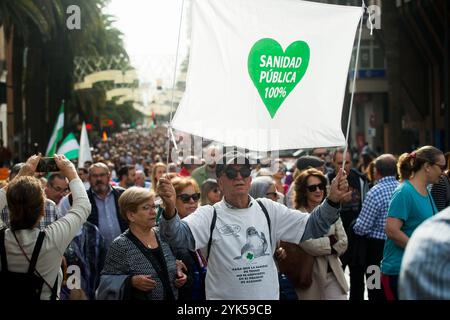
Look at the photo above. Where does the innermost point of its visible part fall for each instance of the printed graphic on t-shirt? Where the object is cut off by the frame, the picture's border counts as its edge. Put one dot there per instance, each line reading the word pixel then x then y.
pixel 230 229
pixel 256 245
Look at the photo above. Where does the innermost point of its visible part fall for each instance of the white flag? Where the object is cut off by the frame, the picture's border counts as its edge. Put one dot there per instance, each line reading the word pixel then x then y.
pixel 69 147
pixel 85 149
pixel 268 74
pixel 57 133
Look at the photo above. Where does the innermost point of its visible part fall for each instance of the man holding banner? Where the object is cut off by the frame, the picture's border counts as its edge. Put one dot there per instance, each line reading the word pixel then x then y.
pixel 240 234
pixel 268 70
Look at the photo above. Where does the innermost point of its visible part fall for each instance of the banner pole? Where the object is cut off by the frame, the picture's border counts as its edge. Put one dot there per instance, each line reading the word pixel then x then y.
pixel 355 72
pixel 170 135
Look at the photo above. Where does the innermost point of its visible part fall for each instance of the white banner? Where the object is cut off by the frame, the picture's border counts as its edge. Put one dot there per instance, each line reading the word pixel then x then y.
pixel 268 74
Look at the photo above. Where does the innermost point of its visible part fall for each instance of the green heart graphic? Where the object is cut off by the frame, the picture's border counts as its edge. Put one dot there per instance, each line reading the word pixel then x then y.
pixel 275 72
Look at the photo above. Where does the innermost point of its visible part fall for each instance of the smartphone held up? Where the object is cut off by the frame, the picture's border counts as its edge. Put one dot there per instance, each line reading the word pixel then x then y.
pixel 47 165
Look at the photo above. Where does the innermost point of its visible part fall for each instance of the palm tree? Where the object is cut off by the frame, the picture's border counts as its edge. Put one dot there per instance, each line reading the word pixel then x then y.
pixel 40 63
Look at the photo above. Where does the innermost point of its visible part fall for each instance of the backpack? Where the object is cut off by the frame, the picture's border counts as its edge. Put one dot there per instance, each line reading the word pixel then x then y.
pixel 213 225
pixel 22 286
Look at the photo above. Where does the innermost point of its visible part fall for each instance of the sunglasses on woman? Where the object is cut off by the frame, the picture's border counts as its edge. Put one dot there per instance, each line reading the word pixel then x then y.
pixel 231 172
pixel 314 187
pixel 187 197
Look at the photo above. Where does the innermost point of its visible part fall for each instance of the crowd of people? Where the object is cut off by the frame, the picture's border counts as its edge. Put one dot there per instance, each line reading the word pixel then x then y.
pixel 223 227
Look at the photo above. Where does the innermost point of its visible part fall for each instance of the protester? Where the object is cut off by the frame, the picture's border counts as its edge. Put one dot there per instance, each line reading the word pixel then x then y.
pixel 24 241
pixel 104 200
pixel 140 180
pixel 83 173
pixel 51 214
pixel 327 277
pixel 140 264
pixel 57 187
pixel 425 269
pixel 188 196
pixel 127 176
pixel 87 251
pixel 350 210
pixel 411 204
pixel 210 192
pixel 441 191
pixel 370 224
pixel 303 163
pixel 249 222
pixel 208 170
pixel 263 187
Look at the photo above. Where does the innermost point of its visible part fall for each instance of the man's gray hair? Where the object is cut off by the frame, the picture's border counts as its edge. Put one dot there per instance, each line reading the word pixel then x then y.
pixel 98 165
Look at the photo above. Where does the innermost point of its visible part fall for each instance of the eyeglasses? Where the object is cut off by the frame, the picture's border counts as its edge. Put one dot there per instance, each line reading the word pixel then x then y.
pixel 187 197
pixel 314 187
pixel 59 190
pixel 215 190
pixel 231 172
pixel 154 207
pixel 442 167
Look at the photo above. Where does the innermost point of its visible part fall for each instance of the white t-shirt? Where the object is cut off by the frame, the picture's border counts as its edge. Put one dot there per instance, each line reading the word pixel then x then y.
pixel 241 264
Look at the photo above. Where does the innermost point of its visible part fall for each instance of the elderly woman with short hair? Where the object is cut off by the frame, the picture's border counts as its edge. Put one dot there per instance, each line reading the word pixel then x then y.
pixel 139 264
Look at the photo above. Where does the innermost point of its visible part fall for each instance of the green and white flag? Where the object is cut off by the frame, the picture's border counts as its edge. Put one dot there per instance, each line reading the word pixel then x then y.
pixel 57 133
pixel 69 147
pixel 268 74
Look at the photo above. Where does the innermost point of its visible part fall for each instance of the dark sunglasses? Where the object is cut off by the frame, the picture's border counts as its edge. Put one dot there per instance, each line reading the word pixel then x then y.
pixel 231 172
pixel 314 187
pixel 186 197
pixel 215 190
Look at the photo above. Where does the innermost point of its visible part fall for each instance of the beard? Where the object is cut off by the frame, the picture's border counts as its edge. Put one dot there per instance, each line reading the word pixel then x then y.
pixel 100 187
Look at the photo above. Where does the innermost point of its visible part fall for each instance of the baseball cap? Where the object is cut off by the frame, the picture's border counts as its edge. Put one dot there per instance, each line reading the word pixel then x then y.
pixel 234 157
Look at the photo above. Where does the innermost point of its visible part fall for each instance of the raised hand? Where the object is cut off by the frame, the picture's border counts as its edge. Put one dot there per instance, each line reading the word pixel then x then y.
pixel 66 166
pixel 339 190
pixel 167 193
pixel 30 166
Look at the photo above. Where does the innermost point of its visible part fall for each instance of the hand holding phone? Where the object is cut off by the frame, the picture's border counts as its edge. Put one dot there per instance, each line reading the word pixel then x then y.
pixel 47 164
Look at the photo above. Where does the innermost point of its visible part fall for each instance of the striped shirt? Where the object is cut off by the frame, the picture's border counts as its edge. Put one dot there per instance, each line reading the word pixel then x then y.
pixel 425 269
pixel 372 219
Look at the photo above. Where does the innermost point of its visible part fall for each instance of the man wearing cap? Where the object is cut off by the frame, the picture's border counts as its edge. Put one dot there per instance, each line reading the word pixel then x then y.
pixel 239 234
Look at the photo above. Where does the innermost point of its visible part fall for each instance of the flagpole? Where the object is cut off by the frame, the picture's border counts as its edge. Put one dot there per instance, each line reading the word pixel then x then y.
pixel 355 72
pixel 170 135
